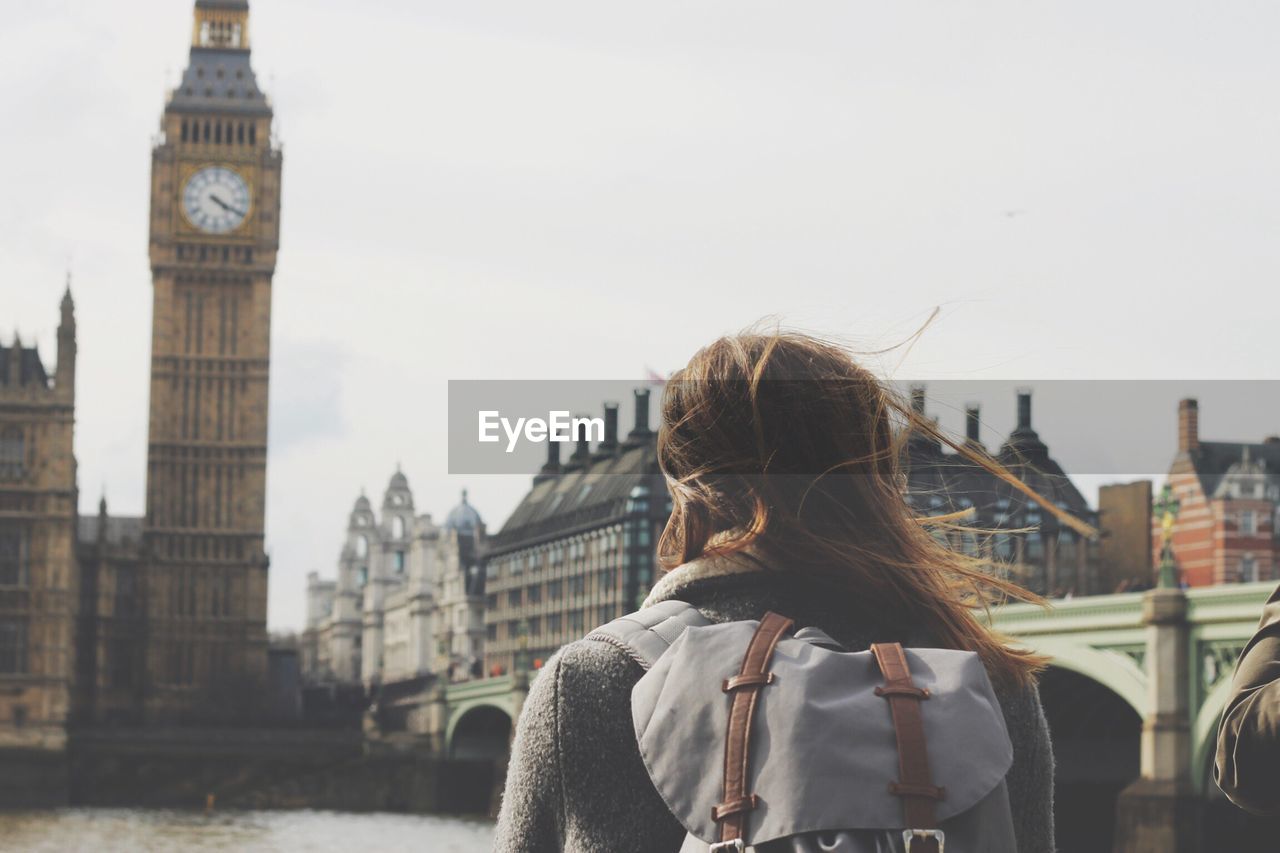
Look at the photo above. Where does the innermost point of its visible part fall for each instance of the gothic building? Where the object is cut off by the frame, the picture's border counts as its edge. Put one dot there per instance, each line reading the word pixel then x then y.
pixel 405 609
pixel 1228 524
pixel 38 583
pixel 1028 542
pixel 215 224
pixel 580 548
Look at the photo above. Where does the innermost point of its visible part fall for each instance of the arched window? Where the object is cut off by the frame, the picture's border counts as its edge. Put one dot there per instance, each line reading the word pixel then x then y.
pixel 13 645
pixel 362 546
pixel 397 527
pixel 12 454
pixel 13 555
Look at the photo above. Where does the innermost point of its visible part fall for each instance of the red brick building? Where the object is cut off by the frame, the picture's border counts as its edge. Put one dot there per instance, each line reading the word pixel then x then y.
pixel 1229 493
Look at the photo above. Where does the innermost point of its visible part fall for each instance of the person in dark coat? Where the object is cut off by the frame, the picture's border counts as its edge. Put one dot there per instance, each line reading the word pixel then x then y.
pixel 1247 766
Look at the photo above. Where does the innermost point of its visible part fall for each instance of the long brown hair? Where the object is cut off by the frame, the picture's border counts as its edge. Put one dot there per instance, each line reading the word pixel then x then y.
pixel 782 442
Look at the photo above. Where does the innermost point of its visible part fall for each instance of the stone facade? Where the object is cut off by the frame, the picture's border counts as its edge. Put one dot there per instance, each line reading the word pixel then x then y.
pixel 110 633
pixel 405 612
pixel 579 550
pixel 213 254
pixel 1124 512
pixel 38 583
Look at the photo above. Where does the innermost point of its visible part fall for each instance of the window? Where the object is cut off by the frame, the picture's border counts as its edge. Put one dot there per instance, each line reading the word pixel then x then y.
pixel 553 590
pixel 398 562
pixel 1248 523
pixel 553 623
pixel 1068 559
pixel 606 614
pixel 577 585
pixel 514 598
pixel 126 591
pixel 362 576
pixel 575 621
pixel 120 655
pixel 397 527
pixel 535 626
pixel 12 454
pixel 362 546
pixel 1248 569
pixel 491 631
pixel 13 646
pixel 13 555
pixel 535 594
pixel 491 601
pixel 1003 547
pixel 1034 548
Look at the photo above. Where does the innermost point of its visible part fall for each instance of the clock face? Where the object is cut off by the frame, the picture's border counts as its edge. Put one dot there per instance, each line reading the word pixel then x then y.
pixel 216 200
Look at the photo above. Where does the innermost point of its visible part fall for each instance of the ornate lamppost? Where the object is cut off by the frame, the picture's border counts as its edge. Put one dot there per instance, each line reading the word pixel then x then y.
pixel 1168 507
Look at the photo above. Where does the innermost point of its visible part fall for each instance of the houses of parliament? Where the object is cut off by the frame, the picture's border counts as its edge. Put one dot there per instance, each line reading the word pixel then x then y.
pixel 158 620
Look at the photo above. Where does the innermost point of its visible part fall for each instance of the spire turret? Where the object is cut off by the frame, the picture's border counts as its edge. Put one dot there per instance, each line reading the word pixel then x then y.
pixel 218 77
pixel 65 372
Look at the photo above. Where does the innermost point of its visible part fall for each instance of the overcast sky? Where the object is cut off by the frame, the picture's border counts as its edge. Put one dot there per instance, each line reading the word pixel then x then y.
pixel 580 189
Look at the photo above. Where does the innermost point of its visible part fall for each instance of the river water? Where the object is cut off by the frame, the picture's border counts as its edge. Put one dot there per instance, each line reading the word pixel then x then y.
pixel 110 830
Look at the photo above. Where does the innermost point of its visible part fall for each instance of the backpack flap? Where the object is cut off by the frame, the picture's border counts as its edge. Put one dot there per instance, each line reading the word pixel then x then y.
pixel 823 748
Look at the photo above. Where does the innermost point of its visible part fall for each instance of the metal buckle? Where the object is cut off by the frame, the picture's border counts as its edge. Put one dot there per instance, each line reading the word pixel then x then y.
pixel 725 846
pixel 910 835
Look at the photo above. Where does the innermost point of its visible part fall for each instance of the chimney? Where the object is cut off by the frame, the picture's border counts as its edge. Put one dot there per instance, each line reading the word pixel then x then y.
pixel 917 399
pixel 610 442
pixel 1188 425
pixel 552 466
pixel 1024 409
pixel 640 431
pixel 972 424
pixel 582 452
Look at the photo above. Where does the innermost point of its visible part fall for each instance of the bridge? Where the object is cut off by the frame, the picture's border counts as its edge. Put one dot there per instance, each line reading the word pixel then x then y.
pixel 1134 690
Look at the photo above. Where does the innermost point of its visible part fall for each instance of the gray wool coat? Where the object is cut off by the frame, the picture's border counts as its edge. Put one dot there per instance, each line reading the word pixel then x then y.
pixel 576 782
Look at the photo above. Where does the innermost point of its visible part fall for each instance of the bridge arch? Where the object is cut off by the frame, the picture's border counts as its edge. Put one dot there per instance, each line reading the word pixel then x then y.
pixel 480 729
pixel 1117 672
pixel 1096 735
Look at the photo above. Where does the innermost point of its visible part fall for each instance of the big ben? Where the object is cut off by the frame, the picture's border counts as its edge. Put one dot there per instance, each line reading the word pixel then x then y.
pixel 215 225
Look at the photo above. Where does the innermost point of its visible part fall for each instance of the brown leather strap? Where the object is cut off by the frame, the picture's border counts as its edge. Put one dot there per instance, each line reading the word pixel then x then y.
pixel 745 687
pixel 915 785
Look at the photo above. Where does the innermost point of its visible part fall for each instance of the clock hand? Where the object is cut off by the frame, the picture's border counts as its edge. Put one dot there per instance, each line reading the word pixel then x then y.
pixel 222 204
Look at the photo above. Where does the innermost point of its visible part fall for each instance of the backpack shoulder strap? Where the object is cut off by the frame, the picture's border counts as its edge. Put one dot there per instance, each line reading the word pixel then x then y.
pixel 646 634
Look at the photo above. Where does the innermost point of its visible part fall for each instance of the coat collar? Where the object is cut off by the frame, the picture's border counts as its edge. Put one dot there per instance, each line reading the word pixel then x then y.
pixel 700 568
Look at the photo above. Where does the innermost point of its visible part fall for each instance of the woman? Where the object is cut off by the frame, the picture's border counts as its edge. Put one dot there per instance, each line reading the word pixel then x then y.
pixel 781 457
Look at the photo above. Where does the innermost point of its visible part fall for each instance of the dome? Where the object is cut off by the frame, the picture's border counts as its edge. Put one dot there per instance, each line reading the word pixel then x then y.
pixel 463 517
pixel 362 505
pixel 399 482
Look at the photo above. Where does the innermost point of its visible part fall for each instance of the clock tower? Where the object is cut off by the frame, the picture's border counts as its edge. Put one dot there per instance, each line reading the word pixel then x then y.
pixel 215 225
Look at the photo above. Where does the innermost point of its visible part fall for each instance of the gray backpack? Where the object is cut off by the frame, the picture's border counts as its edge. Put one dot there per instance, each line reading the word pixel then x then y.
pixel 775 742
